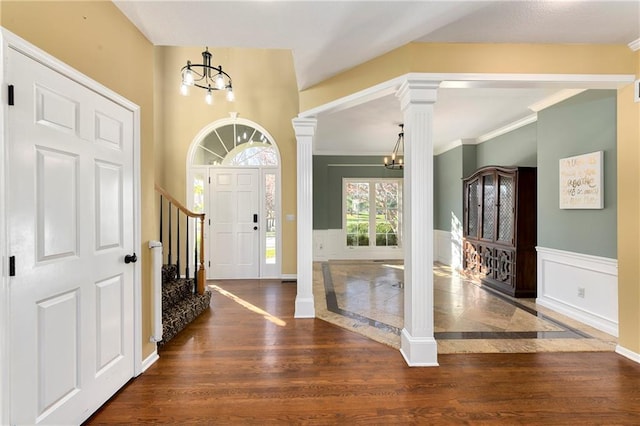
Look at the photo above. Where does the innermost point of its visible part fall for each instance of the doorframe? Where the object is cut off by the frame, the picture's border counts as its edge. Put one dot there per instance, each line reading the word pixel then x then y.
pixel 189 167
pixel 8 40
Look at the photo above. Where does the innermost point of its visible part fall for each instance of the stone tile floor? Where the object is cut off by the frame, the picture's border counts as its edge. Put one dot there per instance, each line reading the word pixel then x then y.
pixel 367 297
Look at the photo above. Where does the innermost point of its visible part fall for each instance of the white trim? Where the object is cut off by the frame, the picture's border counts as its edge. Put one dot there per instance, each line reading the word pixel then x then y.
pixel 561 274
pixel 289 277
pixel 474 80
pixel 149 361
pixel 418 352
pixel 453 144
pixel 628 354
pixel 5 371
pixel 265 271
pixel 305 129
pixel 137 244
pixel 557 97
pixel 508 128
pixel 634 45
pixel 12 41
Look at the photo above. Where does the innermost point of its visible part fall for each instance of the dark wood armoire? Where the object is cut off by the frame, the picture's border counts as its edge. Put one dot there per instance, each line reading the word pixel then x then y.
pixel 500 207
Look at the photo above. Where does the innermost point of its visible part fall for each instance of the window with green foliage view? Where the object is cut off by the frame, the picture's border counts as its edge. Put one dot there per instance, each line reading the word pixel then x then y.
pixel 372 212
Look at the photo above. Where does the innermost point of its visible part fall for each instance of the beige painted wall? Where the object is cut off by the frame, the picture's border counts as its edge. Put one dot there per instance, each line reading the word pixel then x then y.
pixel 629 217
pixel 96 39
pixel 266 93
pixel 472 58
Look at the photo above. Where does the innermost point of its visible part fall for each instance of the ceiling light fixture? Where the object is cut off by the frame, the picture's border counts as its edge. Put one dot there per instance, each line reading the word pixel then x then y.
pixel 397 155
pixel 207 77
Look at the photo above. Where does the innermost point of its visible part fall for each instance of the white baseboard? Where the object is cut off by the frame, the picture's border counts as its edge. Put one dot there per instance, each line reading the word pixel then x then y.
pixel 580 286
pixel 289 277
pixel 628 354
pixel 150 360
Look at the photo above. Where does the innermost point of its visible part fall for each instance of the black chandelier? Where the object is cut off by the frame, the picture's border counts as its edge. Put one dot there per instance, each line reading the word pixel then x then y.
pixel 207 77
pixel 397 155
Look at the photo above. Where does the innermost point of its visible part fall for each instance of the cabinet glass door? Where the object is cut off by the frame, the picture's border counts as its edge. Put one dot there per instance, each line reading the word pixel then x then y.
pixel 505 208
pixel 473 205
pixel 488 207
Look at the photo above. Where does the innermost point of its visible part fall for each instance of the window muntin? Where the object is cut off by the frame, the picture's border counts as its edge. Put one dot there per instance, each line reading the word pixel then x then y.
pixel 235 144
pixel 372 212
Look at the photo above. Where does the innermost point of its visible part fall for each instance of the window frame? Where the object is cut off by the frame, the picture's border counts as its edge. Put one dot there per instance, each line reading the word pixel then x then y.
pixel 372 209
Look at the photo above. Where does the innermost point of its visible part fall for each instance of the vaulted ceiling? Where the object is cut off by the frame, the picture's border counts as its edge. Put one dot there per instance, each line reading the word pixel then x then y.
pixel 328 37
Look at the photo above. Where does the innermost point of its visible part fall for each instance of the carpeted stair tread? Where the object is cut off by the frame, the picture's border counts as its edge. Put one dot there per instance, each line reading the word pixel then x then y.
pixel 176 290
pixel 181 313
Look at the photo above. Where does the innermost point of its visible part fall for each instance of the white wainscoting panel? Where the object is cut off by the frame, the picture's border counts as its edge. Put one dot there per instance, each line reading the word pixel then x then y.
pixel 448 248
pixel 329 244
pixel 581 286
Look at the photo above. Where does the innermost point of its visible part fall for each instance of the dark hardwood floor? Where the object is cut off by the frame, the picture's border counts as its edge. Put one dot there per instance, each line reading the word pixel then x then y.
pixel 238 366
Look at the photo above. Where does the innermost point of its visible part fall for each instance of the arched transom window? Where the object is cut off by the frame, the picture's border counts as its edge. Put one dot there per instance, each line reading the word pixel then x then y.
pixel 235 144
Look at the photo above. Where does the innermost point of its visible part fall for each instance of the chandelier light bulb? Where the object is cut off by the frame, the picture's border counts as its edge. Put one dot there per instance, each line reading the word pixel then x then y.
pixel 209 97
pixel 188 77
pixel 184 89
pixel 230 95
pixel 219 82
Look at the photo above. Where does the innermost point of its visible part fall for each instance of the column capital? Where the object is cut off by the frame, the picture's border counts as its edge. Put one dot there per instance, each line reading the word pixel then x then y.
pixel 417 91
pixel 304 126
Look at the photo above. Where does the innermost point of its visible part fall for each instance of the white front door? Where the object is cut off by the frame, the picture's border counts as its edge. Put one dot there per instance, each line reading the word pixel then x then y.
pixel 70 223
pixel 234 232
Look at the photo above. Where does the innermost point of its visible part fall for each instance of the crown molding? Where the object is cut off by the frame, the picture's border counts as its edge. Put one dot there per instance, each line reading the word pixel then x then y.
pixel 634 45
pixel 453 144
pixel 554 99
pixel 508 128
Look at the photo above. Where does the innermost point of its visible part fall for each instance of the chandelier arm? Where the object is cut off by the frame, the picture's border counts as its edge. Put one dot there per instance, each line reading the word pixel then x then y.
pixel 206 76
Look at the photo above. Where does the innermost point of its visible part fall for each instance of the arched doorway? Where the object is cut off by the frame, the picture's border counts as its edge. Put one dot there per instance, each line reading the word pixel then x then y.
pixel 234 177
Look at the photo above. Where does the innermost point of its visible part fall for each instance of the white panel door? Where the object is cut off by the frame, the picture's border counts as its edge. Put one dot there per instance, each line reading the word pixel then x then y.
pixel 234 232
pixel 70 220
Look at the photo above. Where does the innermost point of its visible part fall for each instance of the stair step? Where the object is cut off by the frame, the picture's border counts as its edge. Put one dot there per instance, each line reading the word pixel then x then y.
pixel 181 313
pixel 169 272
pixel 176 290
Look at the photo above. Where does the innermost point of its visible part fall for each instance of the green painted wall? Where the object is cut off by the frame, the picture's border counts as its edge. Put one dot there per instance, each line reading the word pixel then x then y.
pixel 516 148
pixel 447 191
pixel 582 124
pixel 328 172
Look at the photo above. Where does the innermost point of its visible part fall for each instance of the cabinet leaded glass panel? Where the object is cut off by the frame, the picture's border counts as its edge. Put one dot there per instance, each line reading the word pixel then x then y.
pixel 488 207
pixel 505 209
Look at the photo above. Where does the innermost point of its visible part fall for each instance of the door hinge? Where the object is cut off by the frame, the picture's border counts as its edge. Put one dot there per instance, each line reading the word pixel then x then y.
pixel 209 264
pixel 12 266
pixel 209 222
pixel 209 179
pixel 10 94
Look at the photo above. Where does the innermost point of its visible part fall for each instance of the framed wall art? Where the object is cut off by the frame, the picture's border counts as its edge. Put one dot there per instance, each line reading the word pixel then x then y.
pixel 582 181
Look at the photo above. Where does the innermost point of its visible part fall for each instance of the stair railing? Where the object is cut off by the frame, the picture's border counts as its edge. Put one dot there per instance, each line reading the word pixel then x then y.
pixel 193 221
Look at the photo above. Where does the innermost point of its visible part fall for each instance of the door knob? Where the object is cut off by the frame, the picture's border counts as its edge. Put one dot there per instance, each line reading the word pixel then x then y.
pixel 131 258
pixel 255 228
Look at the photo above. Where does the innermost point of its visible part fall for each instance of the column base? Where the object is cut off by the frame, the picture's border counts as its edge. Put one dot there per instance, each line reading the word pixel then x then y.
pixel 419 351
pixel 305 308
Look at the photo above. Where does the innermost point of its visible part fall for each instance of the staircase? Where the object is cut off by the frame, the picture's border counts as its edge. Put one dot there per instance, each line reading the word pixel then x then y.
pixel 184 296
pixel 180 305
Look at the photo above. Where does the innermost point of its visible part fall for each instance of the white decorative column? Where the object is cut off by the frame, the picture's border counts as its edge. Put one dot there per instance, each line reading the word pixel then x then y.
pixel 305 129
pixel 418 346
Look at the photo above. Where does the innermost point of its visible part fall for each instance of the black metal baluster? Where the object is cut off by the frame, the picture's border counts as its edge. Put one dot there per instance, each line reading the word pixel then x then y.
pixel 186 251
pixel 195 255
pixel 169 249
pixel 178 241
